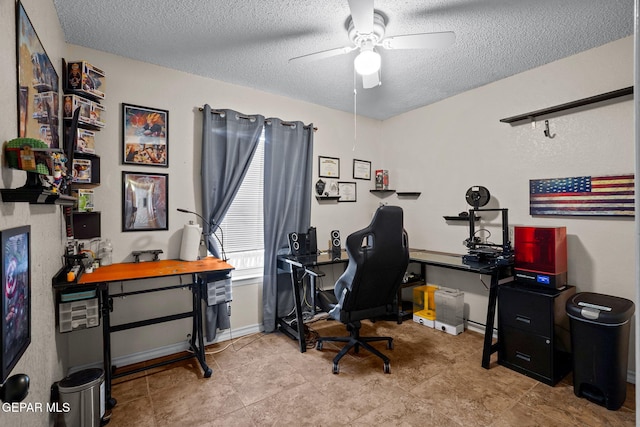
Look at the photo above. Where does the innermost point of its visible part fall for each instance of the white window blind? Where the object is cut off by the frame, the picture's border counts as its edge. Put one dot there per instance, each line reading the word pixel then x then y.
pixel 243 225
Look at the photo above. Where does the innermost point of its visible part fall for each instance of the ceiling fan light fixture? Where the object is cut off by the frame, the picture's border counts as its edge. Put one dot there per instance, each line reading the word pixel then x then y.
pixel 367 62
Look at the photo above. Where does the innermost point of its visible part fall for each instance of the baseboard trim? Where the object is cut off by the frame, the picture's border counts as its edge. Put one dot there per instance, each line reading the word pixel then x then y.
pixel 168 350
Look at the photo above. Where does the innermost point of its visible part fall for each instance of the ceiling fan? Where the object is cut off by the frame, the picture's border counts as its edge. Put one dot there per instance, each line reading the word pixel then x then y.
pixel 366 29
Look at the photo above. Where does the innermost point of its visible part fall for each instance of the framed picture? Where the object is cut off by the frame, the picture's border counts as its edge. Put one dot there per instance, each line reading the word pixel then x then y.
pixel 145 136
pixel 38 102
pixel 347 191
pixel 328 167
pixel 145 198
pixel 609 195
pixel 361 169
pixel 16 296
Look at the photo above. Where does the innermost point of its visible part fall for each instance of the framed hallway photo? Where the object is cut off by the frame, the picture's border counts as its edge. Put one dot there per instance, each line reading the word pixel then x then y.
pixel 38 99
pixel 145 136
pixel 328 167
pixel 361 169
pixel 145 198
pixel 16 296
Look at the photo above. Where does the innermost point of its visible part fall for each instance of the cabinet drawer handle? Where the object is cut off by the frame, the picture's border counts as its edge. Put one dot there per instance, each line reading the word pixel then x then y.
pixel 523 356
pixel 523 319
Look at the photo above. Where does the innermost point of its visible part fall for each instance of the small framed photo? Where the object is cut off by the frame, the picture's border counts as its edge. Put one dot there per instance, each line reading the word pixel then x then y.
pixel 361 169
pixel 145 198
pixel 328 167
pixel 145 136
pixel 347 191
pixel 15 296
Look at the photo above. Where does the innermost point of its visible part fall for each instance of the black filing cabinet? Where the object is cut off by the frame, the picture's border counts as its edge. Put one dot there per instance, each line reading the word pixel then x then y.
pixel 533 331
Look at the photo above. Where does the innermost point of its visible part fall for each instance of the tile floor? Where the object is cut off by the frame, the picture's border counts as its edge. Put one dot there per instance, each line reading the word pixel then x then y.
pixel 436 379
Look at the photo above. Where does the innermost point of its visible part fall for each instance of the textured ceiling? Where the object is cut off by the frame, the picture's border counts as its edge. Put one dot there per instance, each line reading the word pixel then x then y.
pixel 250 42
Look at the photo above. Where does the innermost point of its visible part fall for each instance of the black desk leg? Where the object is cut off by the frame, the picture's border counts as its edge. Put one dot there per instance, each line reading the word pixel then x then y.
pixel 198 350
pixel 297 285
pixel 107 304
pixel 489 348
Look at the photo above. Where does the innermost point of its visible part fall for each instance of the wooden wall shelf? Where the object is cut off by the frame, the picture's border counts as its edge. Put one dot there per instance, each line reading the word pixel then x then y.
pixel 569 105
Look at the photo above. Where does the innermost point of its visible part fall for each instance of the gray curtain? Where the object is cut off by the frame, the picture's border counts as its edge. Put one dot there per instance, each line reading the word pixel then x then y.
pixel 229 141
pixel 288 154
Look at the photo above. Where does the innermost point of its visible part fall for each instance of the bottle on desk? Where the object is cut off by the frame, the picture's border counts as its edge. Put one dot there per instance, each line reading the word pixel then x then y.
pixel 106 252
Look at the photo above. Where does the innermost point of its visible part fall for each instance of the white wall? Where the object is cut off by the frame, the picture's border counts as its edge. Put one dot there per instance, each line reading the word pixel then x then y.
pixel 139 83
pixel 445 148
pixel 44 359
pixel 457 143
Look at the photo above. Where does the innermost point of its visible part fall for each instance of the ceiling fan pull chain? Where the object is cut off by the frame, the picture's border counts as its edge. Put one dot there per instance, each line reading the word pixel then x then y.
pixel 355 111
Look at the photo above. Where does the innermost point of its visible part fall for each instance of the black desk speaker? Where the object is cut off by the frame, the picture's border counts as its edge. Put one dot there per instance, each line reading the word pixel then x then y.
pixel 336 244
pixel 297 243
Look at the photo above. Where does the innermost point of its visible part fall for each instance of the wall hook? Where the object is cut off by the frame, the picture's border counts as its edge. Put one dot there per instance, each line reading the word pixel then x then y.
pixel 547 133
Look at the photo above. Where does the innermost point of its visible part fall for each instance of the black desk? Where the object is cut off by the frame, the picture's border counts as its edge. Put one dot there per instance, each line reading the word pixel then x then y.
pixel 301 266
pixel 500 274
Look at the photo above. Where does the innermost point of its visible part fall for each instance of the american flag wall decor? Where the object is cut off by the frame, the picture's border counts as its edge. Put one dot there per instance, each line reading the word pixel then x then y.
pixel 583 196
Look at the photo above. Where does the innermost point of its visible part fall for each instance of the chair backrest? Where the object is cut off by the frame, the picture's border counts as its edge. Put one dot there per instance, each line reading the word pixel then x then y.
pixel 378 260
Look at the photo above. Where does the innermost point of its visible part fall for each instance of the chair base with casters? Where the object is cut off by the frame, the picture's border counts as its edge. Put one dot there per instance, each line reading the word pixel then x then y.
pixel 355 341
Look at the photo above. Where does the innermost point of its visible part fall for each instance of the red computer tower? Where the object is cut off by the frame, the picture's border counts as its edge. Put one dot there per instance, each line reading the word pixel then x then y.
pixel 541 255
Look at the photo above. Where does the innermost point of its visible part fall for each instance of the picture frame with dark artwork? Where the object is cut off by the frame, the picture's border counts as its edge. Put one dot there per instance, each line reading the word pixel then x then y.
pixel 38 99
pixel 16 296
pixel 145 136
pixel 145 198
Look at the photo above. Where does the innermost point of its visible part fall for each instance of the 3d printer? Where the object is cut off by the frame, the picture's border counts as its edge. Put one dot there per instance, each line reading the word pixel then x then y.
pixel 485 252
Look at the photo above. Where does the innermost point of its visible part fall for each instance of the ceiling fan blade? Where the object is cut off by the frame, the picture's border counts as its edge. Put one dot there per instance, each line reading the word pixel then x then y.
pixel 420 41
pixel 371 80
pixel 322 54
pixel 362 15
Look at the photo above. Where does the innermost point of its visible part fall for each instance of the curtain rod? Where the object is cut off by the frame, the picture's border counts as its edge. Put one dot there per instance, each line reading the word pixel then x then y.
pixel 315 129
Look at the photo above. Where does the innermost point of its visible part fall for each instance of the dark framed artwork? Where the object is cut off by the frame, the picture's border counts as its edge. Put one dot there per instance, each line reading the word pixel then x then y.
pixel 361 169
pixel 145 198
pixel 328 167
pixel 145 136
pixel 16 296
pixel 38 102
pixel 347 191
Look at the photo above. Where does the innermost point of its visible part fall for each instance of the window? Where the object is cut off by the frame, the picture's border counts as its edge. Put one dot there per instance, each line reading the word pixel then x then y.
pixel 243 225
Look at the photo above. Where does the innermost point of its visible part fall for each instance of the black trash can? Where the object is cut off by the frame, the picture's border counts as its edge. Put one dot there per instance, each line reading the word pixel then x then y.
pixel 600 327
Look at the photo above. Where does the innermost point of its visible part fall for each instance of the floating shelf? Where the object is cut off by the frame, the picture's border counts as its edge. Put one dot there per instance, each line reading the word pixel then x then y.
pixel 409 194
pixel 382 193
pixel 322 198
pixel 36 196
pixel 460 218
pixel 569 105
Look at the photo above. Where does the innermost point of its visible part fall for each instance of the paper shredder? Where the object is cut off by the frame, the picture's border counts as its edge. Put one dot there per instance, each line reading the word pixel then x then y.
pixel 600 326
